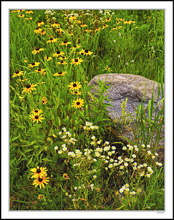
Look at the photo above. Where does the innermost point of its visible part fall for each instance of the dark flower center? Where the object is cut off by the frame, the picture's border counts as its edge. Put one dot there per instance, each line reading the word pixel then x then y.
pixel 39 69
pixel 17 71
pixel 36 116
pixel 77 103
pixel 74 85
pixel 28 86
pixel 60 73
pixel 58 52
pixel 38 171
pixel 36 111
pixel 82 53
pixel 63 57
pixel 56 22
pixel 37 49
pixel 39 21
pixel 65 42
pixel 86 51
pixel 61 61
pixel 33 63
pixel 51 38
pixel 76 60
pixel 40 179
pixel 75 46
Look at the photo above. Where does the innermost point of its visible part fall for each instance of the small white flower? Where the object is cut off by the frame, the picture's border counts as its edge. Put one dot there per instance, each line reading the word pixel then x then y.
pixel 75 188
pixel 148 146
pixel 93 137
pixel 114 41
pixel 134 168
pixel 94 177
pixel 133 193
pixel 106 142
pixel 132 61
pixel 64 148
pixel 60 152
pixel 134 164
pixel 148 175
pixel 110 166
pixel 126 63
pixel 121 190
pixel 126 164
pixel 63 145
pixel 60 132
pixel 56 147
pixel 119 56
pixel 119 34
pixel 133 155
pixel 106 168
pixel 113 147
pixel 124 148
pixel 95 160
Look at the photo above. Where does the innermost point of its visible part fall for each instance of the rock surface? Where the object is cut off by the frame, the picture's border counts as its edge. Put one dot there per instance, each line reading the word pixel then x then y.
pixel 133 87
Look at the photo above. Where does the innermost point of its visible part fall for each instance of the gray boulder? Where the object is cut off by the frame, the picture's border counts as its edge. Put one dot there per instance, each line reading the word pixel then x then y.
pixel 136 89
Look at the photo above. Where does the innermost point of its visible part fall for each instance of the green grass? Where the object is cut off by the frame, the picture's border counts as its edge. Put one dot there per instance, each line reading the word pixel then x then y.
pixel 136 48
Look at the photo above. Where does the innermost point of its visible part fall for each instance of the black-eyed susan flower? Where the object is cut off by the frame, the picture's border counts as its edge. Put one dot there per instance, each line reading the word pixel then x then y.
pixel 75 47
pixel 33 64
pixel 59 30
pixel 83 25
pixel 118 22
pixel 40 23
pixel 86 52
pixel 38 30
pixel 62 62
pixel 29 12
pixel 29 18
pixel 97 29
pixel 115 28
pixel 75 86
pixel 65 175
pixel 78 103
pixel 87 30
pixel 65 42
pixel 43 32
pixel 40 196
pixel 75 92
pixel 73 17
pixel 37 118
pixel 41 71
pixel 58 53
pixel 29 88
pixel 59 74
pixel 36 111
pixel 62 58
pixel 37 50
pixel 40 181
pixel 56 24
pixel 17 73
pixel 38 171
pixel 51 40
pixel 47 58
pixel 76 61
pixel 105 25
pixel 21 16
pixel 108 19
pixel 120 27
pixel 44 100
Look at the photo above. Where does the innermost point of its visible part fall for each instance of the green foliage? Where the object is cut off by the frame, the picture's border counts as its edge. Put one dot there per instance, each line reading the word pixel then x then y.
pixel 92 183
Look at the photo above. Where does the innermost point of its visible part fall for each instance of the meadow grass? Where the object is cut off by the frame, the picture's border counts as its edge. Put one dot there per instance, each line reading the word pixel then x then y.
pixel 63 155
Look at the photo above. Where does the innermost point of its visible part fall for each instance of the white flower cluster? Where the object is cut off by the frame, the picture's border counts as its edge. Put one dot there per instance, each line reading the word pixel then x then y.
pixel 89 126
pixel 67 137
